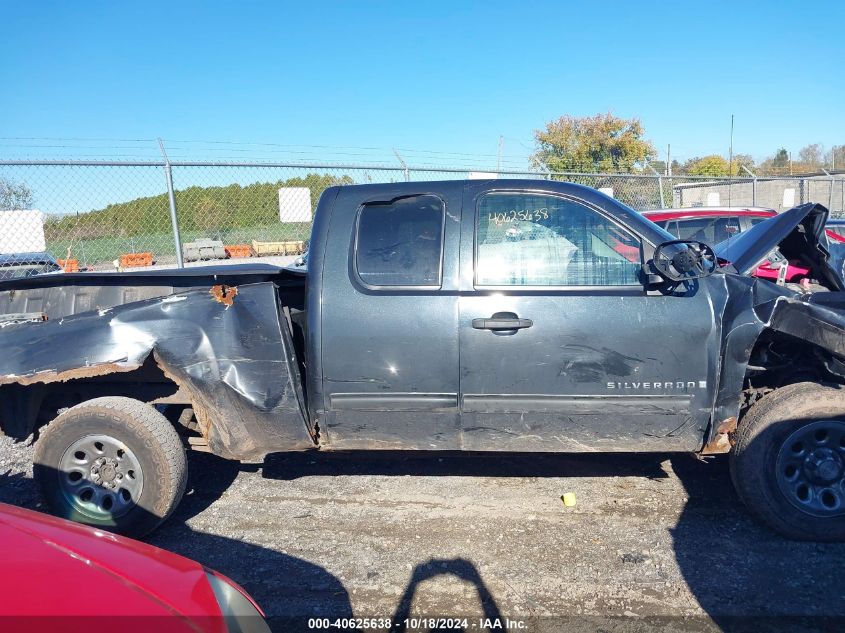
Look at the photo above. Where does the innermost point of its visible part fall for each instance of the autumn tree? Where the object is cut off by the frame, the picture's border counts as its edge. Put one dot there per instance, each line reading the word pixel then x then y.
pixel 712 165
pixel 811 157
pixel 777 164
pixel 836 157
pixel 602 143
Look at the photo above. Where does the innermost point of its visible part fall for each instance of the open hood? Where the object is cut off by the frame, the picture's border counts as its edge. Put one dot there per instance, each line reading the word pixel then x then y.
pixel 797 233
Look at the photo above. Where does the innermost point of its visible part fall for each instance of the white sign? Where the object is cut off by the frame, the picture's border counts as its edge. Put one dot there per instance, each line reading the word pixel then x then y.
pixel 295 204
pixel 608 191
pixel 788 198
pixel 713 199
pixel 22 232
pixel 482 175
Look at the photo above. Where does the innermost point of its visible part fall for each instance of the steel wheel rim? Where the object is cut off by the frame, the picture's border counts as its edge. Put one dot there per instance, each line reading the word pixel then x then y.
pixel 810 468
pixel 100 477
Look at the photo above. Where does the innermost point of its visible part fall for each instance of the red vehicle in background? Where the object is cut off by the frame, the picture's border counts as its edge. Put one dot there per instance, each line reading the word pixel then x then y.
pixel 713 225
pixel 63 576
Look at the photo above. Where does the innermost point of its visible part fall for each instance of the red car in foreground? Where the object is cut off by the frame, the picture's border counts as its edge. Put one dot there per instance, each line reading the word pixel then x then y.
pixel 56 575
pixel 713 225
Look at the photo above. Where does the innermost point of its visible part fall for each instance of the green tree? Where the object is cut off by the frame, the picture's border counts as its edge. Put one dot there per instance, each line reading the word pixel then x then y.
pixel 777 164
pixel 601 143
pixel 713 165
pixel 212 210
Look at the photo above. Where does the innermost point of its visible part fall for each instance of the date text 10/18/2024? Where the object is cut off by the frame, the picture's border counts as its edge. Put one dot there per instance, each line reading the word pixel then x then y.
pixel 419 623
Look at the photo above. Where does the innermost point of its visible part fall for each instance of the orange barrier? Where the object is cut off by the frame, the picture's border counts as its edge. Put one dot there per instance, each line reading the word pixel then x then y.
pixel 238 250
pixel 132 260
pixel 69 265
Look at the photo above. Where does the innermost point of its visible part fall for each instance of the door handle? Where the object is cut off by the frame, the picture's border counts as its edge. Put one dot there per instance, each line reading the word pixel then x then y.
pixel 502 321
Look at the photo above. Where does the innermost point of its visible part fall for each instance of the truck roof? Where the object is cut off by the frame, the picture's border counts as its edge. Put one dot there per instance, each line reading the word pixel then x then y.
pixel 621 212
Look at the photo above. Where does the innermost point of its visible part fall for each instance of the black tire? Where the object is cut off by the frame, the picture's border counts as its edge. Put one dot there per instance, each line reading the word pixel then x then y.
pixel 777 450
pixel 139 437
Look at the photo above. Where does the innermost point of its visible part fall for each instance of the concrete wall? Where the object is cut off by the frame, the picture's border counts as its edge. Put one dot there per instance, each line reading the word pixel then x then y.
pixel 769 193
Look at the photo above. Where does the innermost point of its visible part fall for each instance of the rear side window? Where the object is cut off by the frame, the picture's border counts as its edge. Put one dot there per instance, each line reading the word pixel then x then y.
pixel 400 243
pixel 710 230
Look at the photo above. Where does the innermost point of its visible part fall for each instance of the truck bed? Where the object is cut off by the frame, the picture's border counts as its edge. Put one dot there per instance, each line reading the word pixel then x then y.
pixel 217 338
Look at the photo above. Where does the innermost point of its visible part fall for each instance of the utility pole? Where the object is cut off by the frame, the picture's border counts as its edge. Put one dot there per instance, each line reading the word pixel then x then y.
pixel 669 160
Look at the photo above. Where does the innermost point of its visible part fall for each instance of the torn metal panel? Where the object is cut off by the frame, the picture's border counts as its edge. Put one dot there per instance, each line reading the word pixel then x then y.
pixel 753 307
pixel 232 358
pixel 797 233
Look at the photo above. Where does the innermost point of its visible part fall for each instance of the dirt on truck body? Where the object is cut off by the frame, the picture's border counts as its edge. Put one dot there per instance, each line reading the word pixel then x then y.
pixel 477 316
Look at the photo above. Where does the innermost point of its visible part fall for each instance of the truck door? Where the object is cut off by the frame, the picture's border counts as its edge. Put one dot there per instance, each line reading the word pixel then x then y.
pixel 390 318
pixel 561 347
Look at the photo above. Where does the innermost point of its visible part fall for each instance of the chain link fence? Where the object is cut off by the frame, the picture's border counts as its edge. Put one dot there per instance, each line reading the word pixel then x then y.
pixel 119 215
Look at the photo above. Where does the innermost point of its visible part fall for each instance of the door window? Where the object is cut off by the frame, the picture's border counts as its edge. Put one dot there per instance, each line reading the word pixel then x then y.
pixel 541 240
pixel 400 243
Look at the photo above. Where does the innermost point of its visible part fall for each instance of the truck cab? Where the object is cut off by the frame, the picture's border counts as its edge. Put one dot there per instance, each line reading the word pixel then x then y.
pixel 491 315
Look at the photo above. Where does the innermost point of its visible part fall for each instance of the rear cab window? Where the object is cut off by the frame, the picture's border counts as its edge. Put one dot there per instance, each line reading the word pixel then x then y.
pixel 399 244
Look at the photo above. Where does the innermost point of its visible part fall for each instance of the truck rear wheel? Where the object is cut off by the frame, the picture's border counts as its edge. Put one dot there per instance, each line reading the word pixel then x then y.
pixel 112 462
pixel 788 463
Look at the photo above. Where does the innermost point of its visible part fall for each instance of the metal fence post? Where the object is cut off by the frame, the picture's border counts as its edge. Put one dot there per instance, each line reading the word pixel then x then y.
pixel 171 197
pixel 830 197
pixel 404 166
pixel 659 184
pixel 753 185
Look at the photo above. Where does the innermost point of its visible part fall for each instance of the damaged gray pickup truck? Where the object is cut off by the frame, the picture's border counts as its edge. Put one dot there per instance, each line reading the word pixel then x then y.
pixel 501 315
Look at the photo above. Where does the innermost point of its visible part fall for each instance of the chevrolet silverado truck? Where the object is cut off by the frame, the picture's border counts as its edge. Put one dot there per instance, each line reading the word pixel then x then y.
pixel 499 315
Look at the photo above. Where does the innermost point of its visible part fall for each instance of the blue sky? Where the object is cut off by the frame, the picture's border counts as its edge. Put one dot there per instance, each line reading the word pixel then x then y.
pixel 441 81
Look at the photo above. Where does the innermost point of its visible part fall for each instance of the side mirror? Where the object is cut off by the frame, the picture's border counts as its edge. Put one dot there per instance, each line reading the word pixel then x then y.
pixel 681 260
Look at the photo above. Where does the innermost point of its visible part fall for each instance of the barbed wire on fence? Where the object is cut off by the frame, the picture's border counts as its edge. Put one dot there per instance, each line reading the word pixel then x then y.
pixel 107 214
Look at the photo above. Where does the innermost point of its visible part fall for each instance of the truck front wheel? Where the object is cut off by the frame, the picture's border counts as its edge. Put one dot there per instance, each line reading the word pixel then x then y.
pixel 788 463
pixel 111 462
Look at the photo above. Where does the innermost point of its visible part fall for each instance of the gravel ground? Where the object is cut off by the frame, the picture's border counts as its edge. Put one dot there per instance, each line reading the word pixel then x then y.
pixel 386 534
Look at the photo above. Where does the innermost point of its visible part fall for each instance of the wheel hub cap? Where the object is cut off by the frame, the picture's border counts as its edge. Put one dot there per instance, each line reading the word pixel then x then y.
pixel 823 465
pixel 104 473
pixel 100 477
pixel 811 468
